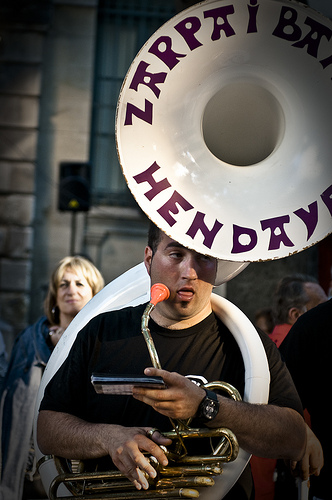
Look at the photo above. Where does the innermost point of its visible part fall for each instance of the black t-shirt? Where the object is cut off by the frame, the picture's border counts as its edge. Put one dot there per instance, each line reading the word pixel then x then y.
pixel 307 351
pixel 113 343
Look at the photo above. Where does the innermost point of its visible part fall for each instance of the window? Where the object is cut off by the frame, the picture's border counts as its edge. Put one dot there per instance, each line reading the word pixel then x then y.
pixel 123 27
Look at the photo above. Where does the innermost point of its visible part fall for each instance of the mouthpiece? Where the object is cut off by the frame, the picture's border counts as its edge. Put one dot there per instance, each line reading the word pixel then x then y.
pixel 159 292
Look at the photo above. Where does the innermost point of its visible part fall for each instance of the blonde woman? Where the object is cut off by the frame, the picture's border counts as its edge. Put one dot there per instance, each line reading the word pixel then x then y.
pixel 73 283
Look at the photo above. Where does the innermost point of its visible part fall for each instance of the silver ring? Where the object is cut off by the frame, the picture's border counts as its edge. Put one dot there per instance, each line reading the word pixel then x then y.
pixel 150 433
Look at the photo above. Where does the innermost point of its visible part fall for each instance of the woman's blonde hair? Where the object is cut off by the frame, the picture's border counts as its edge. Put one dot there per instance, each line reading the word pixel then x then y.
pixel 78 263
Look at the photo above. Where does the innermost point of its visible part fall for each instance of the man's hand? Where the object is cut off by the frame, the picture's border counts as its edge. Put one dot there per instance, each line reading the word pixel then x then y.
pixel 126 446
pixel 68 436
pixel 313 459
pixel 180 400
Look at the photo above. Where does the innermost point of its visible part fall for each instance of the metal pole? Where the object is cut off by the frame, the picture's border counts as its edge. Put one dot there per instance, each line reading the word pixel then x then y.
pixel 73 233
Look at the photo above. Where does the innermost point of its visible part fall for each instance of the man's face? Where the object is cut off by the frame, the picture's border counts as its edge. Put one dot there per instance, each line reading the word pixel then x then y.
pixel 189 276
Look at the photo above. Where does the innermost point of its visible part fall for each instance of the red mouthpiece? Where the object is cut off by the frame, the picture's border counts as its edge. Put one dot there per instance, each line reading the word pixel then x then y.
pixel 159 292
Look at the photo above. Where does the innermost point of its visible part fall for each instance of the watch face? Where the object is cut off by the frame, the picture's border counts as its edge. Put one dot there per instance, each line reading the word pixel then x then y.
pixel 210 408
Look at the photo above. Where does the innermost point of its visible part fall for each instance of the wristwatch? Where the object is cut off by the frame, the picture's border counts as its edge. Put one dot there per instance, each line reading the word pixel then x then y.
pixel 208 407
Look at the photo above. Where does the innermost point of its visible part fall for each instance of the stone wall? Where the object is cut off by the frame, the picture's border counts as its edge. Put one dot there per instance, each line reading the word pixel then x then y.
pixel 21 57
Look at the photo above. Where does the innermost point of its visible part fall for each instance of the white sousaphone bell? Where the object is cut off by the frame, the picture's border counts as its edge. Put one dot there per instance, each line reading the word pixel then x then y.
pixel 223 134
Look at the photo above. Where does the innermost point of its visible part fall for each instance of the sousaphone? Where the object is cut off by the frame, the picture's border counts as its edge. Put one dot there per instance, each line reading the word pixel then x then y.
pixel 223 134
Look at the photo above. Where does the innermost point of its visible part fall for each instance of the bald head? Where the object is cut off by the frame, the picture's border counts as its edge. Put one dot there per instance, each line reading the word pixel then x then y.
pixel 294 295
pixel 315 294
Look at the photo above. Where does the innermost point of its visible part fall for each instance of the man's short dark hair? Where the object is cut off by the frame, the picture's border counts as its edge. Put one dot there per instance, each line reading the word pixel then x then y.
pixel 154 237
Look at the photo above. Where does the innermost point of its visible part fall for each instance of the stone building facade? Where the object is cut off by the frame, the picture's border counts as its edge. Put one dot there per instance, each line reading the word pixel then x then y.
pixel 21 61
pixel 47 57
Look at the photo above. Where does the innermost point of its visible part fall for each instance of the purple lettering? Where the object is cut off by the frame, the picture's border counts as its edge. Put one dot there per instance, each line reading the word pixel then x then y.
pixel 162 48
pixel 327 198
pixel 275 224
pixel 313 38
pixel 241 247
pixel 187 29
pixel 199 224
pixel 310 218
pixel 147 176
pixel 222 12
pixel 171 207
pixel 143 77
pixel 252 23
pixel 326 62
pixel 288 17
pixel 145 115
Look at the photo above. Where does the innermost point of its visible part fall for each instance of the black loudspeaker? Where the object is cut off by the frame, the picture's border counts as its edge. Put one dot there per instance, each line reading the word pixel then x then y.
pixel 74 187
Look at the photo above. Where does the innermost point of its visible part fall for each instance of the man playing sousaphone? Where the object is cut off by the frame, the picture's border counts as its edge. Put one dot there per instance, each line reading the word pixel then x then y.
pixel 75 422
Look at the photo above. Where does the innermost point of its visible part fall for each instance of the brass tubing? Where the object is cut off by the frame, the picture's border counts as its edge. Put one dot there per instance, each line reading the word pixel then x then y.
pixel 195 481
pixel 187 470
pixel 147 335
pixel 226 387
pixel 150 494
pixel 205 432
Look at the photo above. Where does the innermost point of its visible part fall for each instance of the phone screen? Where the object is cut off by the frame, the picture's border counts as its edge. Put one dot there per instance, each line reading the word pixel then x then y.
pixel 123 384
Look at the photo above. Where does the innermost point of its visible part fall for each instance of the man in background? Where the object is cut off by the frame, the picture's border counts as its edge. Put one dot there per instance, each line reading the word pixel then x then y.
pixel 294 295
pixel 307 351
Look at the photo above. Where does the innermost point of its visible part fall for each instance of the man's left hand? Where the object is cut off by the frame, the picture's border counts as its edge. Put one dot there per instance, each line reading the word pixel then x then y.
pixel 180 400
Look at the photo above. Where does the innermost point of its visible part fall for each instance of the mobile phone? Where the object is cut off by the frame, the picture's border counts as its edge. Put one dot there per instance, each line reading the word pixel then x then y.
pixel 123 384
